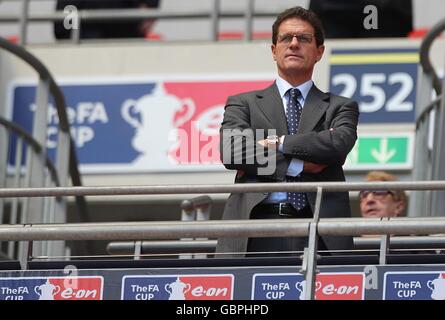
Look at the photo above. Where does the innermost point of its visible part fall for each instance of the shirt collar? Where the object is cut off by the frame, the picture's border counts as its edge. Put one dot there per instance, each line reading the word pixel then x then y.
pixel 283 86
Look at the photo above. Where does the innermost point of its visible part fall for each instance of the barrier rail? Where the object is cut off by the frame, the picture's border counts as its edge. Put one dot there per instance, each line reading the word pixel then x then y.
pixel 208 246
pixel 214 14
pixel 430 142
pixel 66 159
pixel 224 228
pixel 229 228
pixel 24 141
pixel 221 188
pixel 19 131
pixel 196 209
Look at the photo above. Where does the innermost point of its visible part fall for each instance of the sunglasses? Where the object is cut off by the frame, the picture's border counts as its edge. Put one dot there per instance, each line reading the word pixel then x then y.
pixel 379 194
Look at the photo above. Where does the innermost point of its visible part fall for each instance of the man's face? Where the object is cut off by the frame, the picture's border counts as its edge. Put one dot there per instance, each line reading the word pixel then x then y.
pixel 296 56
pixel 379 204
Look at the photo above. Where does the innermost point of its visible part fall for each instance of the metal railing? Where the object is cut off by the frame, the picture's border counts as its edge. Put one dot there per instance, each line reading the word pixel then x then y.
pixel 196 209
pixel 24 142
pixel 214 15
pixel 66 163
pixel 221 188
pixel 229 228
pixel 149 248
pixel 35 146
pixel 430 134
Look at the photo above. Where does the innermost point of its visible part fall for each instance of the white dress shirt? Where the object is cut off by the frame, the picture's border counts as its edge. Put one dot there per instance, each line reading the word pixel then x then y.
pixel 296 165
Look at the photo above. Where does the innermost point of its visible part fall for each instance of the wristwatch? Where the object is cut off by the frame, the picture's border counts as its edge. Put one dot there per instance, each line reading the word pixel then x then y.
pixel 272 140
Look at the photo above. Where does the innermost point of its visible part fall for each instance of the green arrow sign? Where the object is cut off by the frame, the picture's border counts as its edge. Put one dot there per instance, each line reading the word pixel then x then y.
pixel 381 151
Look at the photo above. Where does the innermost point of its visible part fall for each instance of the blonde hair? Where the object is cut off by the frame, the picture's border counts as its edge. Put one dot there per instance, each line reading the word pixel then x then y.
pixel 399 195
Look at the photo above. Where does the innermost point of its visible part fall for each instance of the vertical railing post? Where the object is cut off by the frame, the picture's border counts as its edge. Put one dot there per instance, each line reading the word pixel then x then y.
pixel 23 245
pixel 438 197
pixel 310 253
pixel 60 207
pixel 27 254
pixel 46 213
pixel 422 162
pixel 188 213
pixel 215 20
pixel 24 22
pixel 16 184
pixel 384 249
pixel 203 206
pixel 384 245
pixel 75 32
pixel 195 209
pixel 37 161
pixel 249 20
pixel 4 137
pixel 137 250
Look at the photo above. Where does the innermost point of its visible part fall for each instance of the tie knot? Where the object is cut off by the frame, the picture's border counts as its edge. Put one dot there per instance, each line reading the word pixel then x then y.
pixel 294 93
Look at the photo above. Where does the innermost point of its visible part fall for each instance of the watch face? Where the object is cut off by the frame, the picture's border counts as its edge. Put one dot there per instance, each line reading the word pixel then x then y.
pixel 272 139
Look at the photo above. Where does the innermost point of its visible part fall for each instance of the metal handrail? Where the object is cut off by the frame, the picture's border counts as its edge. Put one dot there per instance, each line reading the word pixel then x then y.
pixel 216 229
pixel 430 144
pixel 208 246
pixel 221 188
pixel 163 246
pixel 425 61
pixel 402 242
pixel 59 100
pixel 427 110
pixel 311 228
pixel 135 14
pixel 34 144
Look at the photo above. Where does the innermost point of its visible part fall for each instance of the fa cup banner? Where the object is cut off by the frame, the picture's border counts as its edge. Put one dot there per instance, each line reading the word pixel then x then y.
pixel 154 125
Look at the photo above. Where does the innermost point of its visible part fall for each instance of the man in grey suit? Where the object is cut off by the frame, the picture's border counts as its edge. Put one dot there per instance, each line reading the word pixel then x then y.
pixel 313 133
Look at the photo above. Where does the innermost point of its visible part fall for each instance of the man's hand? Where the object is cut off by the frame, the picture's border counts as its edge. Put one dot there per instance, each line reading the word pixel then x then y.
pixel 262 143
pixel 265 144
pixel 271 142
pixel 311 167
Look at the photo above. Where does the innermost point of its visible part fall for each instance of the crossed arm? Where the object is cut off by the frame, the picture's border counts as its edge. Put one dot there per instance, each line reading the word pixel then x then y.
pixel 318 149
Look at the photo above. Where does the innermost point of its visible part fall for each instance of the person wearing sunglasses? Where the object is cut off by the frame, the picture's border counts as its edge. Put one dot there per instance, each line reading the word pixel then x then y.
pixel 382 203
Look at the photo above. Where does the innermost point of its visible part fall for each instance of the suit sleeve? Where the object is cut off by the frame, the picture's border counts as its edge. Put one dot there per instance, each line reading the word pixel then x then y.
pixel 239 149
pixel 331 145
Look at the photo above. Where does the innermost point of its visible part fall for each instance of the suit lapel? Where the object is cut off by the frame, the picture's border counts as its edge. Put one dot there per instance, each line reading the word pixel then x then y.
pixel 314 108
pixel 270 103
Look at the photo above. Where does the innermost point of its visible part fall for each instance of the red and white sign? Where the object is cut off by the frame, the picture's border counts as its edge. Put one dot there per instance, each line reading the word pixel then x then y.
pixel 340 286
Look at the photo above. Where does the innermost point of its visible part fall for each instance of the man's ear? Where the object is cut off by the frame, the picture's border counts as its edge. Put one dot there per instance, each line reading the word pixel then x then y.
pixel 273 48
pixel 320 51
pixel 400 207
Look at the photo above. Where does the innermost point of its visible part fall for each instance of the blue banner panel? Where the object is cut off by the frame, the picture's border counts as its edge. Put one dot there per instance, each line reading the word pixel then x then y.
pixel 383 82
pixel 266 283
pixel 414 286
pixel 138 126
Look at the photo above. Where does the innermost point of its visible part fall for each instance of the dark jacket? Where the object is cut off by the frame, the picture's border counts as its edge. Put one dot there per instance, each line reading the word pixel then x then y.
pixel 326 134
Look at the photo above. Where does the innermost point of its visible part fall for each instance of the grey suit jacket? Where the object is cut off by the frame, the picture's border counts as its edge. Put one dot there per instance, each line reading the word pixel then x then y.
pixel 326 134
